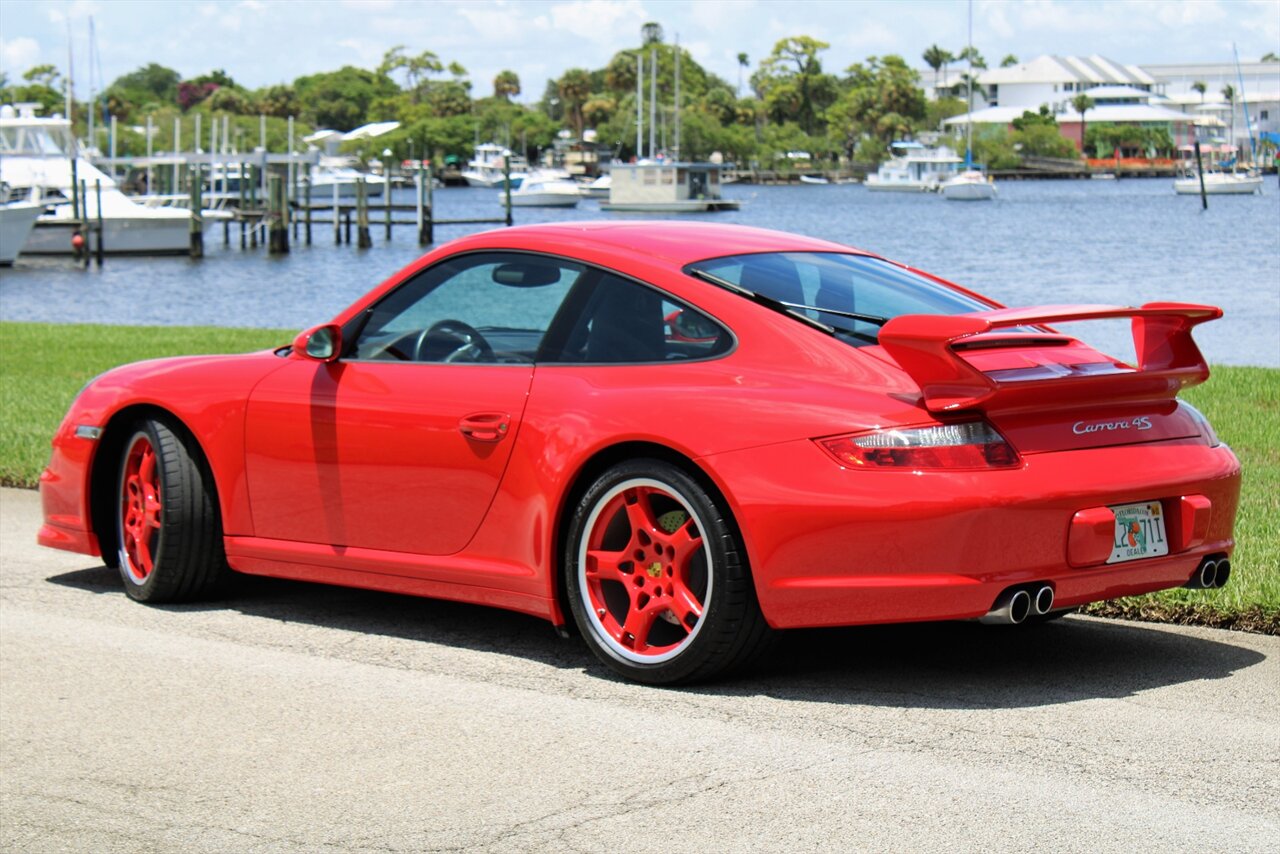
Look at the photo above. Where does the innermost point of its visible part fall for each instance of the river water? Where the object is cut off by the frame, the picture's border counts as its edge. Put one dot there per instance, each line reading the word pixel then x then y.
pixel 1042 242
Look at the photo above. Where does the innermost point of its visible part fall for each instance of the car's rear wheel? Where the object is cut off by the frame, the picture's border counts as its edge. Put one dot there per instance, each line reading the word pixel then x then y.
pixel 657 577
pixel 167 525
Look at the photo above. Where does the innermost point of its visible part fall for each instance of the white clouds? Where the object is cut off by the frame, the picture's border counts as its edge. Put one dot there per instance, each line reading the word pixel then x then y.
pixel 17 55
pixel 600 21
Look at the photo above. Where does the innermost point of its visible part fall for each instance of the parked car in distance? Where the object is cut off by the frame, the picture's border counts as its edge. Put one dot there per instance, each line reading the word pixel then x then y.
pixel 677 437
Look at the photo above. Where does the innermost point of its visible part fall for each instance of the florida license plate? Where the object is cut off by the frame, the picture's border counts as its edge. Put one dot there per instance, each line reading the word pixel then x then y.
pixel 1139 532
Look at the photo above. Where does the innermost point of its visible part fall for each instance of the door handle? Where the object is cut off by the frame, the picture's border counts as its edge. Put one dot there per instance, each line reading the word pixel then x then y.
pixel 485 426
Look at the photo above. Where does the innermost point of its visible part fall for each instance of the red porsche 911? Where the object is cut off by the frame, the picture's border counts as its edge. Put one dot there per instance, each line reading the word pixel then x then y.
pixel 679 436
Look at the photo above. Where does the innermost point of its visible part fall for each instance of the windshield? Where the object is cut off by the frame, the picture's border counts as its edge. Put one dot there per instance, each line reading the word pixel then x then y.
pixel 829 287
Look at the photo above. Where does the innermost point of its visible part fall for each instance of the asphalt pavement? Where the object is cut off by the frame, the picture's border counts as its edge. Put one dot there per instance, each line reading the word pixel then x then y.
pixel 297 717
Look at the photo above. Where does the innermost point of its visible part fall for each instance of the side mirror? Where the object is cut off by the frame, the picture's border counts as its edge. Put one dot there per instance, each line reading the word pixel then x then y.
pixel 319 343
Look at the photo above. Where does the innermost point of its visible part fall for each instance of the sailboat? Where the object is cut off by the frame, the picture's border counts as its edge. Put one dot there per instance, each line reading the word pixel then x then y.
pixel 972 184
pixel 1224 177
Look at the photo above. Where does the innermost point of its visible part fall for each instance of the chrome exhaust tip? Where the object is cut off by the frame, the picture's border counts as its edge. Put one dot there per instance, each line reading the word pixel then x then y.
pixel 1224 572
pixel 1043 601
pixel 1205 576
pixel 1011 608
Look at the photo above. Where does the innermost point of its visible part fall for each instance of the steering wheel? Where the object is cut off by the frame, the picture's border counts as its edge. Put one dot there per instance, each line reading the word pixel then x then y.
pixel 472 346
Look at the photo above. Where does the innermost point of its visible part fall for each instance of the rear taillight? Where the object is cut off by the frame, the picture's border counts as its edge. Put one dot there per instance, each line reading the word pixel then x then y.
pixel 970 445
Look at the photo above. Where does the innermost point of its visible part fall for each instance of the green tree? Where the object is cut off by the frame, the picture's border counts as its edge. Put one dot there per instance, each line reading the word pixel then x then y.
pixel 506 84
pixel 280 100
pixel 1270 56
pixel 341 99
pixel 43 86
pixel 1229 95
pixel 973 56
pixel 1082 104
pixel 743 64
pixel 879 96
pixel 1008 61
pixel 1201 87
pixel 574 88
pixel 938 58
pixel 792 84
pixel 416 69
pixel 651 33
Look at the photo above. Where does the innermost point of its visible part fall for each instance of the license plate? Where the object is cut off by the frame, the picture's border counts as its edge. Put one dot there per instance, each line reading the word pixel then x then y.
pixel 1139 532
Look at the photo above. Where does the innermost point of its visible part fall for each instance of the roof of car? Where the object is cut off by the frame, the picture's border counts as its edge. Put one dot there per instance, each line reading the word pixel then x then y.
pixel 675 241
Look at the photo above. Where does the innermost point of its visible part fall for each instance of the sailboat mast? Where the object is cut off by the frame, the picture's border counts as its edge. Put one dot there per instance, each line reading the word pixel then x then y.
pixel 653 99
pixel 675 151
pixel 1244 103
pixel 639 105
pixel 968 143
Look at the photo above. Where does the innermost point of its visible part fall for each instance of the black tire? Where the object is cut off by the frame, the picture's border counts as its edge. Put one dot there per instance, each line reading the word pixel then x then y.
pixel 686 557
pixel 168 528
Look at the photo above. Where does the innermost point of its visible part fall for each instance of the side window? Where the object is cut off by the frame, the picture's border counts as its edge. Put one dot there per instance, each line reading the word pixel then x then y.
pixel 624 322
pixel 488 307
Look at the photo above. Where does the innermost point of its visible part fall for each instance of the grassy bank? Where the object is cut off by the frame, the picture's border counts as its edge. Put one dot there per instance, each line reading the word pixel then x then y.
pixel 43 366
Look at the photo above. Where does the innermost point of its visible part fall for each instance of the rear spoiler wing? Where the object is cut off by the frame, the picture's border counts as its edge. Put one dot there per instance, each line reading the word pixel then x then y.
pixel 1168 358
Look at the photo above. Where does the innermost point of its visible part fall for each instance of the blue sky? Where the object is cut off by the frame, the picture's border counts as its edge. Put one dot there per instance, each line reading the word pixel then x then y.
pixel 271 41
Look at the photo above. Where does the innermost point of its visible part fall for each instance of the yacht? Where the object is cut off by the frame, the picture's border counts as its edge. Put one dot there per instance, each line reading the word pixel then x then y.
pixel 339 173
pixel 599 188
pixel 915 168
pixel 486 167
pixel 16 221
pixel 36 157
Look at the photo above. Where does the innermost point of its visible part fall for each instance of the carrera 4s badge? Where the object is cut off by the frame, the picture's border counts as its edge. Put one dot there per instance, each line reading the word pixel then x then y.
pixel 1142 422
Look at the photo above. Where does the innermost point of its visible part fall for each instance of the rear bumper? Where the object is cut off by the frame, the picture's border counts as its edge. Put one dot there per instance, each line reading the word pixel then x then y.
pixel 831 546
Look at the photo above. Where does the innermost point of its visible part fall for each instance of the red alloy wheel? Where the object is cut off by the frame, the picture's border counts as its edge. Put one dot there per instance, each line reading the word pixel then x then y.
pixel 644 571
pixel 140 508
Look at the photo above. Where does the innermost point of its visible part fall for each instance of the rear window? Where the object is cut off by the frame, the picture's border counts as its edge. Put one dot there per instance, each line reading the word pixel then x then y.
pixel 827 282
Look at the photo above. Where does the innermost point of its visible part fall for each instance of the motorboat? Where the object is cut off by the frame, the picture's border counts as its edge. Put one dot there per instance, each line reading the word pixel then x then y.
pixel 538 192
pixel 487 167
pixel 37 161
pixel 17 219
pixel 814 179
pixel 915 168
pixel 971 185
pixel 338 173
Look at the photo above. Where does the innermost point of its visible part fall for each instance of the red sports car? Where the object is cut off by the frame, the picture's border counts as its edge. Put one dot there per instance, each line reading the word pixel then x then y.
pixel 680 436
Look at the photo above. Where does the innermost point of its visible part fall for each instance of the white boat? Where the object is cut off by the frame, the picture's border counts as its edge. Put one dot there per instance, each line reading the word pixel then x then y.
pixel 535 192
pixel 667 187
pixel 16 221
pixel 597 189
pixel 486 168
pixel 34 161
pixel 970 185
pixel 916 168
pixel 1221 177
pixel 1219 184
pixel 813 179
pixel 328 175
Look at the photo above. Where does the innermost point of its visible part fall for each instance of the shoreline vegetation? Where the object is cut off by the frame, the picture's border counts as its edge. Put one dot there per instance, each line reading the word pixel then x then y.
pixel 43 367
pixel 804 106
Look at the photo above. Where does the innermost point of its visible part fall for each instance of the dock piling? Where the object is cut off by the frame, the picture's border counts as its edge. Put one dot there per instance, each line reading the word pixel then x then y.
pixel 506 183
pixel 277 226
pixel 306 189
pixel 1204 199
pixel 337 228
pixel 97 186
pixel 431 205
pixel 363 240
pixel 197 214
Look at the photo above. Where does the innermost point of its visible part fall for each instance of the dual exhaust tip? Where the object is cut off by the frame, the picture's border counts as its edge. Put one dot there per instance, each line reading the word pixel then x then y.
pixel 1212 572
pixel 1016 604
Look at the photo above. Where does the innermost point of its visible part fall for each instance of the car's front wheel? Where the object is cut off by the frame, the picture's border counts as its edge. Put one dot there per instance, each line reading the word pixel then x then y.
pixel 658 579
pixel 167 525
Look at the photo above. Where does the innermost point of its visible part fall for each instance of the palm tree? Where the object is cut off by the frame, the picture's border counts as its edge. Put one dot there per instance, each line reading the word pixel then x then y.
pixel 1082 103
pixel 935 57
pixel 1201 87
pixel 1229 95
pixel 506 84
pixel 743 62
pixel 651 33
pixel 575 89
pixel 1009 60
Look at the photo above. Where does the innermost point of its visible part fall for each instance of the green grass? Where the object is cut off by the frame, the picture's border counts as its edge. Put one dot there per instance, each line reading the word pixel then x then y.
pixel 43 366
